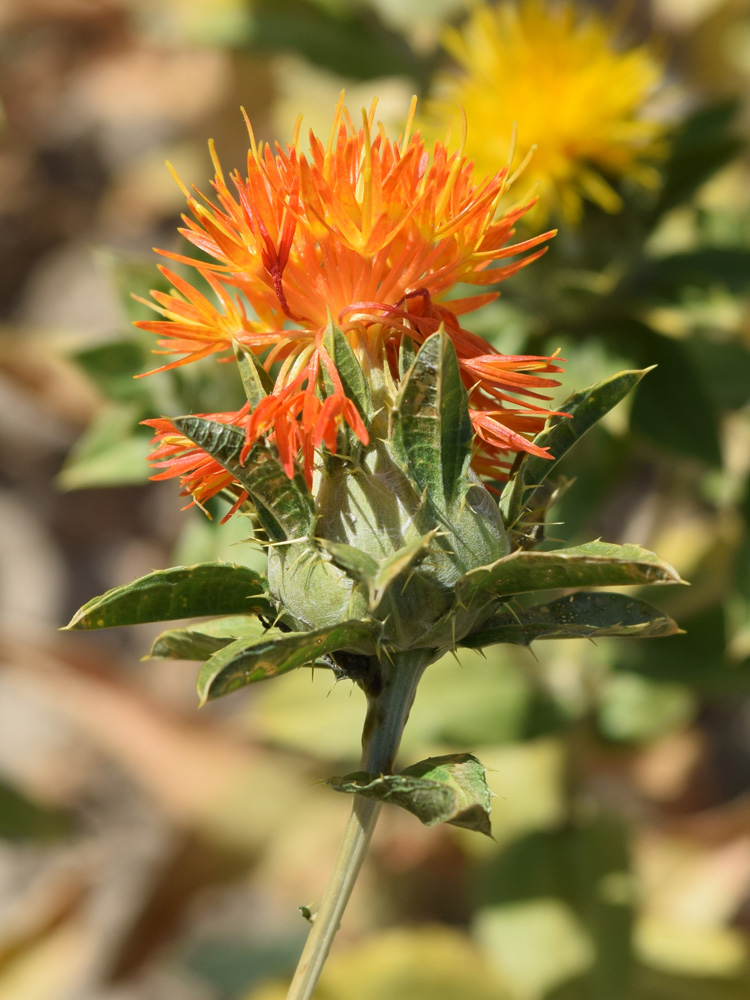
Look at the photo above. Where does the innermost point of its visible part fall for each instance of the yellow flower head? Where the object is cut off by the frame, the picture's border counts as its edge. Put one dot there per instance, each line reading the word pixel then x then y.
pixel 574 95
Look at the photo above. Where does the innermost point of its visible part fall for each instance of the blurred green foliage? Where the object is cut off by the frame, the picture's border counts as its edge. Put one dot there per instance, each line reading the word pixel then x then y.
pixel 560 907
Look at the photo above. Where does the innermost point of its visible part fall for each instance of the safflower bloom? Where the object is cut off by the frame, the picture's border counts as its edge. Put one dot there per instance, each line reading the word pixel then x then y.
pixel 371 418
pixel 578 99
pixel 374 235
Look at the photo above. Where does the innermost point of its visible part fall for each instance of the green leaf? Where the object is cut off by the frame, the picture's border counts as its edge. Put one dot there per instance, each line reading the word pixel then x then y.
pixel 432 432
pixel 345 39
pixel 256 381
pixel 583 409
pixel 285 506
pixel 23 819
pixel 724 367
pixel 246 661
pixel 576 616
pixel 450 789
pixel 112 365
pixel 669 278
pixel 198 642
pixel 130 277
pixel 635 709
pixel 179 592
pixel 377 575
pixel 356 386
pixel 702 147
pixel 395 565
pixel 356 563
pixel 594 564
pixel 584 866
pixel 406 355
pixel 673 408
pixel 112 451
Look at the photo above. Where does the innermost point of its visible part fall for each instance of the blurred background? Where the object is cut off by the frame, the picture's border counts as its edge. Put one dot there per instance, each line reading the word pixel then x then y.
pixel 151 851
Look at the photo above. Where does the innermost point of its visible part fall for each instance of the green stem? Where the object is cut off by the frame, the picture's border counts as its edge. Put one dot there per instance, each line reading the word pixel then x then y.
pixel 387 712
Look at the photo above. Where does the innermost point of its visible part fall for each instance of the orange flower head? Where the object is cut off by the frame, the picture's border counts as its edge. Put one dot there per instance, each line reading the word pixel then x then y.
pixel 373 234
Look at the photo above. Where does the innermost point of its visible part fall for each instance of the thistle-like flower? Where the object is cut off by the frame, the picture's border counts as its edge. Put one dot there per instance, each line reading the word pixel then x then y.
pixel 375 431
pixel 579 100
pixel 367 399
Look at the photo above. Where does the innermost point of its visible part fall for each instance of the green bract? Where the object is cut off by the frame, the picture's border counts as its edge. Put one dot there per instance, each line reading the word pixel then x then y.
pixel 398 523
pixel 396 555
pixel 397 549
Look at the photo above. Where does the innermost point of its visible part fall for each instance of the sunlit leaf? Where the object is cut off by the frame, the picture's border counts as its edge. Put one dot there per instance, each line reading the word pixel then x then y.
pixel 449 789
pixel 247 660
pixel 594 564
pixel 198 642
pixel 576 616
pixel 284 506
pixel 582 410
pixel 432 431
pixel 179 592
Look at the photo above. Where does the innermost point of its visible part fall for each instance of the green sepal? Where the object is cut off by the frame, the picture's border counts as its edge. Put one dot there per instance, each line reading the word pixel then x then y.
pixel 355 563
pixel 246 661
pixel 377 575
pixel 594 564
pixel 355 385
pixel 284 506
pixel 213 588
pixel 451 789
pixel 432 431
pixel 198 642
pixel 581 411
pixel 256 381
pixel 576 616
pixel 406 356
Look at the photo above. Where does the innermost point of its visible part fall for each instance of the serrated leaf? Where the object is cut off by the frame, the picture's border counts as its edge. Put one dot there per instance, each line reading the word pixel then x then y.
pixel 432 431
pixel 576 616
pixel 180 592
pixel 594 564
pixel 256 381
pixel 582 410
pixel 450 789
pixel 356 386
pixel 285 506
pixel 246 661
pixel 198 642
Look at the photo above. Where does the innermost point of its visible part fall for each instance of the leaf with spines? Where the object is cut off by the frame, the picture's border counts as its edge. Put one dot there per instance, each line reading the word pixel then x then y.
pixel 378 575
pixel 247 660
pixel 594 564
pixel 198 642
pixel 256 381
pixel 356 386
pixel 180 592
pixel 432 431
pixel 285 506
pixel 581 411
pixel 450 789
pixel 576 616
